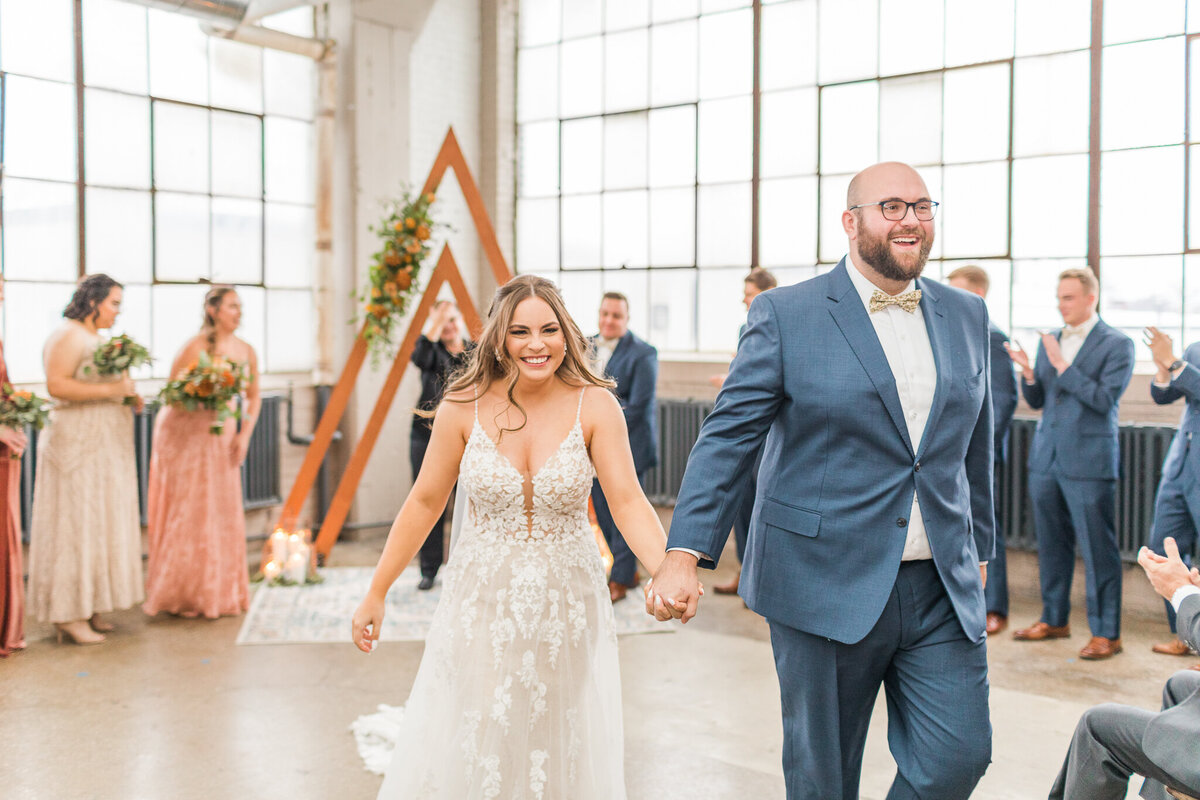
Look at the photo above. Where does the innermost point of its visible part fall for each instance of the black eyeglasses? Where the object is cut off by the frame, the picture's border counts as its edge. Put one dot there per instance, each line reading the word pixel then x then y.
pixel 896 210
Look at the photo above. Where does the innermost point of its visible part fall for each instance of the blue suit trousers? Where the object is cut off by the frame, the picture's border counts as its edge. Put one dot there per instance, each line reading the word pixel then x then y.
pixel 1177 514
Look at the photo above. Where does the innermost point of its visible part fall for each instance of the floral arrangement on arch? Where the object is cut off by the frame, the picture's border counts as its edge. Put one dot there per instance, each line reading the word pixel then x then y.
pixel 393 277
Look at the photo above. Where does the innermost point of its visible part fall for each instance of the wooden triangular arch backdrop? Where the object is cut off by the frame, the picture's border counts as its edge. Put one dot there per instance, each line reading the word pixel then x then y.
pixel 446 271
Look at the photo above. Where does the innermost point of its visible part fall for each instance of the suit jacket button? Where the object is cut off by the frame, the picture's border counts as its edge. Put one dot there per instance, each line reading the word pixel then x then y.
pixel 902 522
pixel 917 467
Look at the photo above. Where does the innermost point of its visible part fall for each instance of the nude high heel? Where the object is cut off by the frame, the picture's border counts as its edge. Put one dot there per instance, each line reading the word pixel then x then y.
pixel 79 632
pixel 99 625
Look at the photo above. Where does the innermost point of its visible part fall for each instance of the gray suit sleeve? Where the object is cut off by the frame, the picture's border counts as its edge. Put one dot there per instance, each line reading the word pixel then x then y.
pixel 1188 620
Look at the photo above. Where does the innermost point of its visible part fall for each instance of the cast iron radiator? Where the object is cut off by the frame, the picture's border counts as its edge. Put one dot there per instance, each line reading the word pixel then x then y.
pixel 1143 449
pixel 260 472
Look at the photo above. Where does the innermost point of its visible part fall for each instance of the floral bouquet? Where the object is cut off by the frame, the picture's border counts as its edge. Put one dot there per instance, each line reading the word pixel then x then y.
pixel 208 384
pixel 117 355
pixel 18 409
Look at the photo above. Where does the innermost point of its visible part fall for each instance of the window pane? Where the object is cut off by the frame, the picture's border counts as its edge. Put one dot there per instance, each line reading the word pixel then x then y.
pixel 31 312
pixel 291 311
pixel 539 21
pixel 910 119
pixel 290 245
pixel 41 232
pixel 581 78
pixel 581 292
pixel 537 234
pixel 975 211
pixel 673 309
pixel 833 203
pixel 849 127
pixel 661 10
pixel 626 70
pixel 181 224
pixel 582 139
pixel 289 84
pixel 727 54
pixel 1130 20
pixel 1131 115
pixel 254 317
pixel 114 45
pixel 236 75
pixel 978 31
pixel 298 21
pixel 1053 27
pixel 673 70
pixel 1136 292
pixel 1036 283
pixel 976 126
pixel 999 298
pixel 1191 299
pixel 537 170
pixel 726 131
pixel 289 161
pixel 38 38
pixel 625 151
pixel 181 147
pixel 1140 210
pixel 39 129
pixel 849 39
pixel 118 234
pixel 580 18
pixel 913 40
pixel 136 320
pixel 537 83
pixel 1194 87
pixel 177 312
pixel 724 222
pixel 721 298
pixel 626 233
pixel 236 240
pixel 581 231
pixel 633 284
pixel 789 133
pixel 178 58
pixel 788 222
pixel 709 6
pixel 117 139
pixel 1051 104
pixel 1049 206
pixel 673 227
pixel 789 45
pixel 673 146
pixel 236 154
pixel 1194 200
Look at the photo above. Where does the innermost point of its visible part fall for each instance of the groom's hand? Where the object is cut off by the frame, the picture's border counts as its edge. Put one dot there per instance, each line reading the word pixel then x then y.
pixel 675 588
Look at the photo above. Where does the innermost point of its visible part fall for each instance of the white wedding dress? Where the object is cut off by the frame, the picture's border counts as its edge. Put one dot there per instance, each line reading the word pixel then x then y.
pixel 518 695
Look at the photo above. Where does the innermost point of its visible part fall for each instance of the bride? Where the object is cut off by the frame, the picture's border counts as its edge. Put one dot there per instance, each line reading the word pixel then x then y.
pixel 518 694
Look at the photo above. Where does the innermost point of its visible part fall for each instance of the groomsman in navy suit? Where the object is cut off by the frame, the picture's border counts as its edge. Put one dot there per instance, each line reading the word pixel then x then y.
pixel 633 364
pixel 867 391
pixel 975 279
pixel 1177 509
pixel 1080 374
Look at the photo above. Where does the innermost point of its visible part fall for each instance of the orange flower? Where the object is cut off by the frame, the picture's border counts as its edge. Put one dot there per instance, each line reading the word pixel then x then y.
pixel 118 344
pixel 391 258
pixel 390 288
pixel 204 390
pixel 228 378
pixel 414 247
pixel 403 281
pixel 422 232
pixel 375 293
pixel 410 223
pixel 191 366
pixel 23 395
pixel 407 259
pixel 189 390
pixel 398 226
pixel 429 198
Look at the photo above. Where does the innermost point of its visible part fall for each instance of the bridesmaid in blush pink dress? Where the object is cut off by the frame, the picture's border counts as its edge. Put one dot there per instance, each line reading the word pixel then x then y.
pixel 197 528
pixel 12 588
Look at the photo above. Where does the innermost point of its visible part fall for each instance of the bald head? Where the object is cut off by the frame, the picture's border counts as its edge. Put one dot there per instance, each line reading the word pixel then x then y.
pixel 883 181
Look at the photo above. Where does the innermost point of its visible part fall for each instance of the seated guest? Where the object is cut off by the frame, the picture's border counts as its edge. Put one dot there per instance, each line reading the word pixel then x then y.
pixel 1112 742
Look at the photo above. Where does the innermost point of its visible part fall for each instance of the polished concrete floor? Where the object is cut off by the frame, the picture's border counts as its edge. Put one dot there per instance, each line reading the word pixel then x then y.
pixel 172 708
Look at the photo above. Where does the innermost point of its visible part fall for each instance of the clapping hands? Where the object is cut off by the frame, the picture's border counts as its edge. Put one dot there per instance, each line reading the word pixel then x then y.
pixel 1167 573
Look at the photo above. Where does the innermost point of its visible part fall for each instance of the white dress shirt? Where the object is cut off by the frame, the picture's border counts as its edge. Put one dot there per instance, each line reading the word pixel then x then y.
pixel 905 343
pixel 1072 337
pixel 604 351
pixel 1181 593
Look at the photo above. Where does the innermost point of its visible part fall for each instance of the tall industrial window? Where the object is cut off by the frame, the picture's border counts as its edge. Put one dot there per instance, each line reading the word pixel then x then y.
pixel 159 156
pixel 640 170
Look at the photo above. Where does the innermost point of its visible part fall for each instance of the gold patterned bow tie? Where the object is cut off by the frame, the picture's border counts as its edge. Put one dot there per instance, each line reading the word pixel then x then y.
pixel 908 301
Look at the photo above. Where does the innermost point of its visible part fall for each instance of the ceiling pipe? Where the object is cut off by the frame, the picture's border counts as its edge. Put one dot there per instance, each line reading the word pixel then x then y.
pixel 315 49
pixel 230 12
pixel 228 19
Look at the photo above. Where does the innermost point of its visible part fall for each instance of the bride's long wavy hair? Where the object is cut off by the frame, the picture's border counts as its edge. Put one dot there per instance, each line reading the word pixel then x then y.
pixel 491 363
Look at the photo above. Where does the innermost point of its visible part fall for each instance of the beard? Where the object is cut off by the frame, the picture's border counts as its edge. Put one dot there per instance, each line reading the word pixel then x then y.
pixel 877 252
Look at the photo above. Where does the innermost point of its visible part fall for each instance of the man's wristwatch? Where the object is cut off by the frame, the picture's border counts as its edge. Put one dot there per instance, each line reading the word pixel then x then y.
pixel 1176 364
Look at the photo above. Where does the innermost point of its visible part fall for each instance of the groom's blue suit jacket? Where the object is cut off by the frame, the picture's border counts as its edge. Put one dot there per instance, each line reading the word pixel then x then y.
pixel 838 473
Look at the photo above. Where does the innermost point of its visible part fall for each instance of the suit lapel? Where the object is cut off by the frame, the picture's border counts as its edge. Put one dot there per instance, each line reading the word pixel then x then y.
pixel 620 353
pixel 1091 344
pixel 936 327
pixel 851 318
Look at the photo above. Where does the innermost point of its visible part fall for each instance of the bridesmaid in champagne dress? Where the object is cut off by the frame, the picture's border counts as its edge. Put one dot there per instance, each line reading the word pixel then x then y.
pixel 12 588
pixel 197 563
pixel 85 539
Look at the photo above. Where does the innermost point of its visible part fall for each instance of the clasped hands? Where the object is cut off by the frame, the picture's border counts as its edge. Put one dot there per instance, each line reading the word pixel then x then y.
pixel 675 590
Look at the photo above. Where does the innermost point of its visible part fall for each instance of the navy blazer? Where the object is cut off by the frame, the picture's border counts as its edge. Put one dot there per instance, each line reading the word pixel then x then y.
pixel 1185 384
pixel 838 472
pixel 1004 392
pixel 1077 434
pixel 634 366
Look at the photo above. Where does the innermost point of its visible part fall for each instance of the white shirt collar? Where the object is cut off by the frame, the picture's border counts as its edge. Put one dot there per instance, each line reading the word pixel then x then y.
pixel 863 285
pixel 1084 328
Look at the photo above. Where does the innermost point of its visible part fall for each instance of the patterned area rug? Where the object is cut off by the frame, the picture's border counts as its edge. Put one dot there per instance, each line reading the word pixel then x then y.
pixel 320 613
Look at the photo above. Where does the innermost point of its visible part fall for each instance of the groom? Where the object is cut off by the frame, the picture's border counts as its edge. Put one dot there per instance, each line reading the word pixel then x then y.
pixel 873 522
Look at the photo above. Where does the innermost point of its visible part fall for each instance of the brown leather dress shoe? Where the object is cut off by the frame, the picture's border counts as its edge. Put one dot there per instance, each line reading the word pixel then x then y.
pixel 1040 630
pixel 1179 795
pixel 1100 648
pixel 617 591
pixel 996 623
pixel 729 588
pixel 1175 647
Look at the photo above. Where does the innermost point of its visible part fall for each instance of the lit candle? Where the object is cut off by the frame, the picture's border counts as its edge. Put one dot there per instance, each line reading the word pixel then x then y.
pixel 271 570
pixel 297 568
pixel 294 543
pixel 279 545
